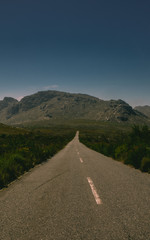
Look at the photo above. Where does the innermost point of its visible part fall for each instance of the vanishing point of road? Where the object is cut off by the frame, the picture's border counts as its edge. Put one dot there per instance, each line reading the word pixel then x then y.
pixel 78 194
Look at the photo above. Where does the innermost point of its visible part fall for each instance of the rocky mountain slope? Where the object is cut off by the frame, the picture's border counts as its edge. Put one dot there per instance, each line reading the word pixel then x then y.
pixel 60 105
pixel 144 109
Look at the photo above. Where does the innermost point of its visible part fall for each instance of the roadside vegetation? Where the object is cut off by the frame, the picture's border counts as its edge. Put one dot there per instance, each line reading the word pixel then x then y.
pixel 22 149
pixel 131 147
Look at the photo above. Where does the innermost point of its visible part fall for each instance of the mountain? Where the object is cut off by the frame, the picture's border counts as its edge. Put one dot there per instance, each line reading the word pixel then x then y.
pixel 54 105
pixel 144 109
pixel 7 102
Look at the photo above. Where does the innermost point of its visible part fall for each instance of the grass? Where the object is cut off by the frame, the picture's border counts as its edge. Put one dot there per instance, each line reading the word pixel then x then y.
pixel 24 146
pixel 22 149
pixel 130 146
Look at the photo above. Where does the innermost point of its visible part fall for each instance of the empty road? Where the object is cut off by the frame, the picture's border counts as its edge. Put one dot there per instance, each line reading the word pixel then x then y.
pixel 77 194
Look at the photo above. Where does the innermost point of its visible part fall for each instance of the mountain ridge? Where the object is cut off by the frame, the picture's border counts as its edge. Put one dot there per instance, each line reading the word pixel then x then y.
pixel 47 105
pixel 144 109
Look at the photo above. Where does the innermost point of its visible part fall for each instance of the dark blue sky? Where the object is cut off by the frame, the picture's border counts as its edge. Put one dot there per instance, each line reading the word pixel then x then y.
pixel 101 48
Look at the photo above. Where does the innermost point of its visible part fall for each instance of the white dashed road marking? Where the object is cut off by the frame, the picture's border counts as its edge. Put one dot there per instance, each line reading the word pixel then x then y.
pixel 81 160
pixel 94 191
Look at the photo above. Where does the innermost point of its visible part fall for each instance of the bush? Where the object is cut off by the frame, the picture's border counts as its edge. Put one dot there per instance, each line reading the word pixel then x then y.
pixel 134 156
pixel 132 148
pixel 120 152
pixel 145 164
pixel 20 152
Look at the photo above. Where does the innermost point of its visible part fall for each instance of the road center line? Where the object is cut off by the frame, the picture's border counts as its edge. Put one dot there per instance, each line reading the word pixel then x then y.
pixel 81 160
pixel 94 191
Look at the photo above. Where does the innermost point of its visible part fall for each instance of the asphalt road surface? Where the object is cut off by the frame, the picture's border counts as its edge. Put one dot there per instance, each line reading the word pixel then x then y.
pixel 77 194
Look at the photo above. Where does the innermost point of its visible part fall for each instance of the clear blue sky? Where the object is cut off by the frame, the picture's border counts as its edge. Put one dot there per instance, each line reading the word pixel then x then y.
pixel 98 47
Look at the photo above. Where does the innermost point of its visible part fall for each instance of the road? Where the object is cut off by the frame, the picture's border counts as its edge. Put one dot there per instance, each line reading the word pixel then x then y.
pixel 77 194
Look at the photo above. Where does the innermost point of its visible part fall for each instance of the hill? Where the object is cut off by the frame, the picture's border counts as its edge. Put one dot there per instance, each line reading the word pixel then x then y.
pixel 144 109
pixel 55 105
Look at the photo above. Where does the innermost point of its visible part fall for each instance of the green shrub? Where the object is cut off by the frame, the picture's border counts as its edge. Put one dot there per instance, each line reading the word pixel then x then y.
pixel 120 152
pixel 20 152
pixel 133 148
pixel 145 164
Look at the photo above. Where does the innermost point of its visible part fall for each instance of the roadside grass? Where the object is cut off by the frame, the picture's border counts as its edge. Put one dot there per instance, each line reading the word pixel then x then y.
pixel 24 146
pixel 22 149
pixel 132 147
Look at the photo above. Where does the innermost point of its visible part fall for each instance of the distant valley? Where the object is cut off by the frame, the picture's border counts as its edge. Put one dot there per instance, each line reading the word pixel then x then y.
pixel 54 105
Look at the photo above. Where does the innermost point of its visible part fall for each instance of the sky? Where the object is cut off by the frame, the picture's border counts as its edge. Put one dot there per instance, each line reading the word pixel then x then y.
pixel 97 47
